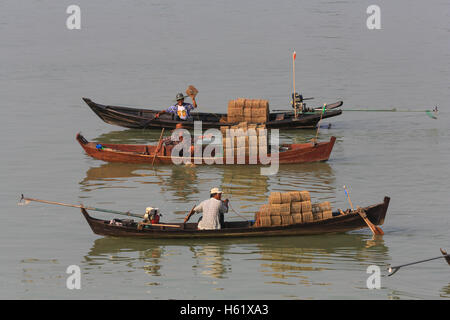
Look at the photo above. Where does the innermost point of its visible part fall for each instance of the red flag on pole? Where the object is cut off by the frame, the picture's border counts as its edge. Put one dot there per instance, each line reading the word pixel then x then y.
pixel 294 55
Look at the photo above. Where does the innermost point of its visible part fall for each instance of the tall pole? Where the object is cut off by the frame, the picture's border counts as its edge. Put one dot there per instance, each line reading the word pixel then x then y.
pixel 293 85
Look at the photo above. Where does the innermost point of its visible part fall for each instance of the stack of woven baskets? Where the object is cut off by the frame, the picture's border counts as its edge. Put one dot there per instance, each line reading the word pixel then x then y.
pixel 248 110
pixel 244 139
pixel 291 208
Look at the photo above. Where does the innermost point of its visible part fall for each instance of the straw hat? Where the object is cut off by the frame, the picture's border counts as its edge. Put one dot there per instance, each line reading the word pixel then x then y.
pixel 215 190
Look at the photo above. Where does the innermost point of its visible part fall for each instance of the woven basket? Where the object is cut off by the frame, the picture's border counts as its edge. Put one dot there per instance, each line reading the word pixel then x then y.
pixel 295 195
pixel 275 209
pixel 317 216
pixel 275 220
pixel 265 221
pixel 325 205
pixel 315 208
pixel 286 220
pixel 297 218
pixel 285 209
pixel 307 217
pixel 327 214
pixel 296 207
pixel 305 195
pixel 264 210
pixel 306 206
pixel 275 197
pixel 285 197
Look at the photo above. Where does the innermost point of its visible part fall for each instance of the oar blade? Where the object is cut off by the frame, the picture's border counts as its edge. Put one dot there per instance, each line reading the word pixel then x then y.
pixel 446 256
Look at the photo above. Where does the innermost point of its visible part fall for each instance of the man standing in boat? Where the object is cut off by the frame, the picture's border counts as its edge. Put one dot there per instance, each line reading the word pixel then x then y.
pixel 213 210
pixel 181 109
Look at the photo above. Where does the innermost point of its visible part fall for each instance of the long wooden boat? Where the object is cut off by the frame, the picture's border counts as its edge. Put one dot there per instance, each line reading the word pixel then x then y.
pixel 130 153
pixel 349 221
pixel 145 118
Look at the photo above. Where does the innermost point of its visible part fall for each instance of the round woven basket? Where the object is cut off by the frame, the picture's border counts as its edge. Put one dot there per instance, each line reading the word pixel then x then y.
pixel 275 209
pixel 325 205
pixel 285 197
pixel 327 214
pixel 285 209
pixel 296 207
pixel 286 220
pixel 297 218
pixel 264 210
pixel 295 195
pixel 275 197
pixel 306 206
pixel 307 217
pixel 305 195
pixel 276 220
pixel 317 216
pixel 266 221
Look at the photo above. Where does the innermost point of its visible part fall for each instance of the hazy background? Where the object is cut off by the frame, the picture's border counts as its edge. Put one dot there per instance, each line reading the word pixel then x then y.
pixel 141 53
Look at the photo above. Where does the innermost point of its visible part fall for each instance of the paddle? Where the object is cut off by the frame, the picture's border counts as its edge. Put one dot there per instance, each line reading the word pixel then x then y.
pixel 375 229
pixel 159 146
pixel 189 215
pixel 23 200
pixel 430 113
pixel 393 270
pixel 318 123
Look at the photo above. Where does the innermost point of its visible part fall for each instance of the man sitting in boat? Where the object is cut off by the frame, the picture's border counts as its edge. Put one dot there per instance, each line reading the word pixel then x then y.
pixel 181 109
pixel 213 210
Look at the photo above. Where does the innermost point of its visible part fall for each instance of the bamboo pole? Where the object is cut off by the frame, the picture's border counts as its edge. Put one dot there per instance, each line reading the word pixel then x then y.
pixel 293 85
pixel 159 146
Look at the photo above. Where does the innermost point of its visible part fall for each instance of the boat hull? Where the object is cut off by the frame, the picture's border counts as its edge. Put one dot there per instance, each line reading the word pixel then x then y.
pixel 342 223
pixel 135 118
pixel 128 153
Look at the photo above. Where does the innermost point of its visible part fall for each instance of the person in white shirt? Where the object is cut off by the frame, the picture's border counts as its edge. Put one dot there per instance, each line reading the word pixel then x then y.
pixel 213 210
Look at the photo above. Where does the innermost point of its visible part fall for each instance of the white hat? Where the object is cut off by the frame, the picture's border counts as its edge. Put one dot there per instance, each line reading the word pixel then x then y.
pixel 215 190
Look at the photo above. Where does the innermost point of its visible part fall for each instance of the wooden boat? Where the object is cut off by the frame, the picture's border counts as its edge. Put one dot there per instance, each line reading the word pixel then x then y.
pixel 145 118
pixel 129 153
pixel 351 220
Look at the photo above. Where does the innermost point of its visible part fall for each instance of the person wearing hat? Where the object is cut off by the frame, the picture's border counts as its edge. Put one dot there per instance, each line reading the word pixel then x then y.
pixel 181 109
pixel 213 210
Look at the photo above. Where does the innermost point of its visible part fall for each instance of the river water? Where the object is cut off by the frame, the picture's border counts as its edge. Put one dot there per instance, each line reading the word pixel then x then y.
pixel 141 53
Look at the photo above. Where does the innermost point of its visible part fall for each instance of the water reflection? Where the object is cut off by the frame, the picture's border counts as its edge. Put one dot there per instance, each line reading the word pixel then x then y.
pixel 209 260
pixel 281 260
pixel 243 182
pixel 291 260
pixel 445 291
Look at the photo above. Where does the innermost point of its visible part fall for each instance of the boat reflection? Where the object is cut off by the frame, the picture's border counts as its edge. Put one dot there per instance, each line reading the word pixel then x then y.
pixel 281 260
pixel 184 185
pixel 445 291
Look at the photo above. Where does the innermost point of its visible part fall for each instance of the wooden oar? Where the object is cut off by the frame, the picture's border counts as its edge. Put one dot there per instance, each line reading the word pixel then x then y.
pixel 80 206
pixel 159 146
pixel 430 113
pixel 92 209
pixel 393 270
pixel 318 123
pixel 375 229
pixel 186 219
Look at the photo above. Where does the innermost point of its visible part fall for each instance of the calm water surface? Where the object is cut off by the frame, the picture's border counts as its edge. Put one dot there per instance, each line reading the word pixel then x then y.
pixel 142 53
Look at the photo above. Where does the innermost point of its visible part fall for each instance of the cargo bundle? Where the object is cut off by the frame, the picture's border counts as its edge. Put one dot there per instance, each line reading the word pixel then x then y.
pixel 248 110
pixel 244 138
pixel 291 207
